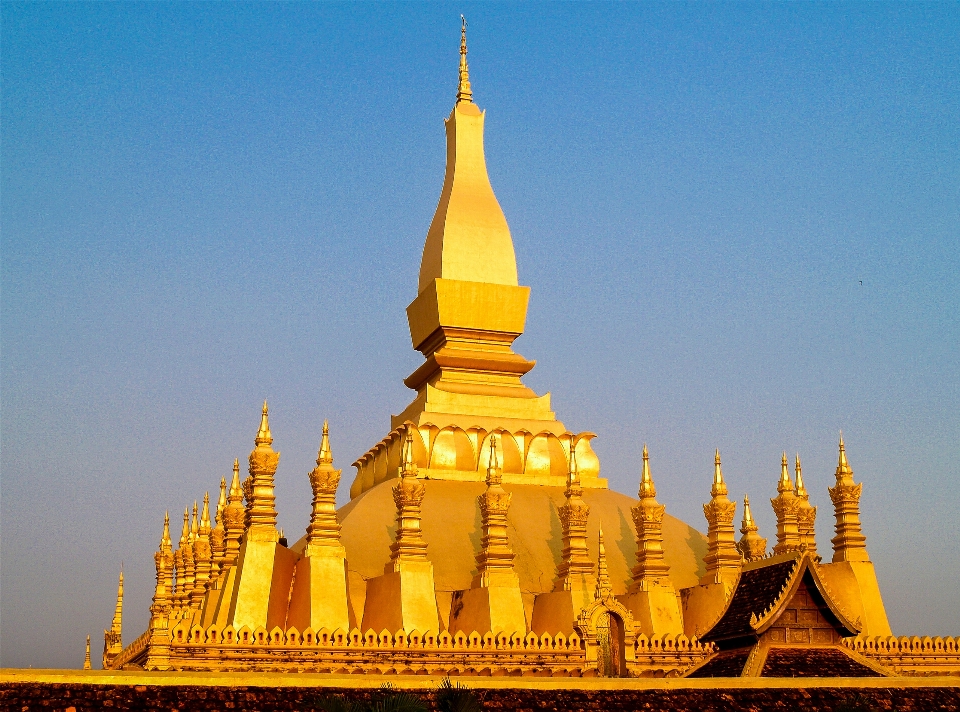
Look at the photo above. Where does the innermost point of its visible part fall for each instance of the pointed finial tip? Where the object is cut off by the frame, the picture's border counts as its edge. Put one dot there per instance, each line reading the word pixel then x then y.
pixel 265 409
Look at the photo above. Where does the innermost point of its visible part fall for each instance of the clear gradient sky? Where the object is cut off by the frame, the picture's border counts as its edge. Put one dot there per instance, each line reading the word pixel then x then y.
pixel 740 224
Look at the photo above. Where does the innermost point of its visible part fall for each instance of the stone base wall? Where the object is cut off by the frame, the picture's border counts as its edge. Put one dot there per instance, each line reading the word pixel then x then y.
pixel 73 697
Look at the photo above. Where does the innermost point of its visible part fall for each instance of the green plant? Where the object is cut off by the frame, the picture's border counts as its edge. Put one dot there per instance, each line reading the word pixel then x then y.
pixel 388 699
pixel 454 697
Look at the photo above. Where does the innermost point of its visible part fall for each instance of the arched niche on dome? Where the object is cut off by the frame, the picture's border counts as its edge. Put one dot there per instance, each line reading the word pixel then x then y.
pixel 508 453
pixel 452 450
pixel 587 461
pixel 546 456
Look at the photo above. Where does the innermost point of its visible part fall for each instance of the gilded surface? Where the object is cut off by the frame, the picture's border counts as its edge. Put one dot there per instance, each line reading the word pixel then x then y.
pixel 472 541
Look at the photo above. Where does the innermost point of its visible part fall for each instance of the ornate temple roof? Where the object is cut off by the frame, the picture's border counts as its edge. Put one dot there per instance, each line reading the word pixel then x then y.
pixel 764 591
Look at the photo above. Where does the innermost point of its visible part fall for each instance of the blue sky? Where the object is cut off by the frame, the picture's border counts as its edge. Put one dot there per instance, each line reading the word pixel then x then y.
pixel 205 205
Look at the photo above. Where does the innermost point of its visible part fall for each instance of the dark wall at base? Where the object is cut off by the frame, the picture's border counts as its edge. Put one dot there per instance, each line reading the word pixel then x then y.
pixel 26 697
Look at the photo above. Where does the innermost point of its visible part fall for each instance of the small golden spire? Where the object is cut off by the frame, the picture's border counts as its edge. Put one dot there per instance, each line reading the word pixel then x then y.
pixel 573 471
pixel 222 499
pixel 325 455
pixel 849 544
pixel 719 486
pixel 747 514
pixel 464 93
pixel 86 657
pixel 205 515
pixel 235 488
pixel 647 488
pixel 263 434
pixel 751 545
pixel 603 589
pixel 194 526
pixel 493 465
pixel 165 542
pixel 785 485
pixel 185 534
pixel 786 506
pixel 409 465
pixel 843 468
pixel 806 513
pixel 648 523
pixel 117 624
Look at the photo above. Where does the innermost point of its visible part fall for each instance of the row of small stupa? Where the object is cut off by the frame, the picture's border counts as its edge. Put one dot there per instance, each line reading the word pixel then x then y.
pixel 208 550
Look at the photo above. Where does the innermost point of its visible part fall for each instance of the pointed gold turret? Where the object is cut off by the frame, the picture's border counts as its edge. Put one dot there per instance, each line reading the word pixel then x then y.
pixel 218 533
pixel 158 650
pixel 604 590
pixel 751 545
pixel 408 496
pixel 323 532
pixel 806 513
pixel 202 553
pixel 318 598
pixel 495 558
pixel 786 506
pixel 233 518
pixel 576 570
pixel 648 522
pixel 86 657
pixel 849 544
pixel 493 602
pixel 651 598
pixel 113 638
pixel 180 561
pixel 263 466
pixel 723 561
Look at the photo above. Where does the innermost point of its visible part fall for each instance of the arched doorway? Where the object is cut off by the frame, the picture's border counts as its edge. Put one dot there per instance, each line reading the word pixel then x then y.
pixel 611 653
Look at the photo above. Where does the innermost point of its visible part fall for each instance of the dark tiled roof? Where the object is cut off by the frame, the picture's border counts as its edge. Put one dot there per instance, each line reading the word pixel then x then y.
pixel 756 590
pixel 728 663
pixel 813 662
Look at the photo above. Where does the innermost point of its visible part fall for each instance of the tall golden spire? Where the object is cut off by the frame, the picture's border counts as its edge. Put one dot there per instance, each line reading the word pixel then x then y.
pixel 723 561
pixel 648 522
pixel 323 532
pixel 261 499
pixel 464 92
pixel 751 545
pixel 604 590
pixel 495 558
pixel 576 569
pixel 86 657
pixel 786 506
pixel 806 513
pixel 849 544
pixel 468 221
pixel 233 518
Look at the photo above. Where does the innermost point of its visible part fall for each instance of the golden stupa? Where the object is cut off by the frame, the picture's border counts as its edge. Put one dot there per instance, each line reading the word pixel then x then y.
pixel 473 542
